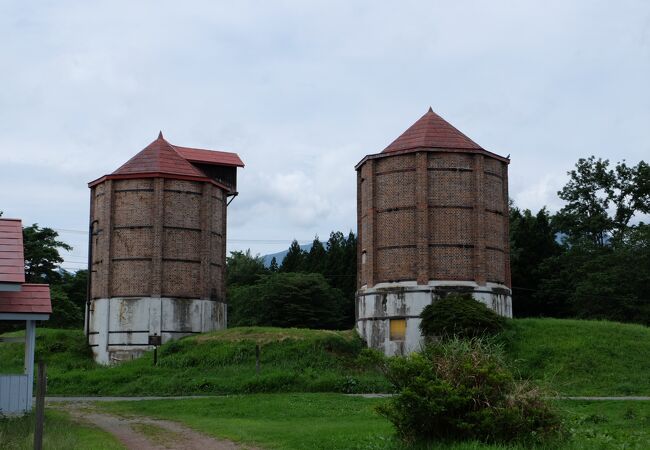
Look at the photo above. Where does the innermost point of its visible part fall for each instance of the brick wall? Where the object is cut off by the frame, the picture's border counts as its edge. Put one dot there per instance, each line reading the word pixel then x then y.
pixel 158 238
pixel 432 216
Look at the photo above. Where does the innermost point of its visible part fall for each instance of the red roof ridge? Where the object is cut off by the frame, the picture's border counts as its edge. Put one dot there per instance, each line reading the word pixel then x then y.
pixel 432 131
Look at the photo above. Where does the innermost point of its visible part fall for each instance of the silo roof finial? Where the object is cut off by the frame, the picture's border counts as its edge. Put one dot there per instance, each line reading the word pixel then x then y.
pixel 430 109
pixel 160 136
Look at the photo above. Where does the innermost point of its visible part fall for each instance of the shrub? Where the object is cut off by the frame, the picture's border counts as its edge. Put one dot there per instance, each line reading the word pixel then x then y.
pixel 302 300
pixel 461 316
pixel 462 390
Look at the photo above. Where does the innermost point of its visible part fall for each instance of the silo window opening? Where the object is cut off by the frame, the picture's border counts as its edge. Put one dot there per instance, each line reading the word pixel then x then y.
pixel 363 257
pixel 397 329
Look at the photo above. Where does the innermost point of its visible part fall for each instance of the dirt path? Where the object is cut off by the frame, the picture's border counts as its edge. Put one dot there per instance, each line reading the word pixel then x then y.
pixel 144 433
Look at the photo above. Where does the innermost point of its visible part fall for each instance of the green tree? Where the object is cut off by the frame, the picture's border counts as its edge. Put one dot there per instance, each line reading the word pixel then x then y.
pixel 604 264
pixel 75 284
pixel 341 269
pixel 65 313
pixel 273 267
pixel 243 268
pixel 601 201
pixel 532 241
pixel 294 261
pixel 302 300
pixel 607 283
pixel 42 256
pixel 316 258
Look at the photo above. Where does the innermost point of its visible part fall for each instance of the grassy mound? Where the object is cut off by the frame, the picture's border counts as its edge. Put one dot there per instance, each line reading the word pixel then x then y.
pixel 572 357
pixel 582 357
pixel 223 362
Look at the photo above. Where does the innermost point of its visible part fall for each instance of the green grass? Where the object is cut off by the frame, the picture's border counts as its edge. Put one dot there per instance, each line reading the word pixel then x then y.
pixel 334 421
pixel 571 357
pixel 221 362
pixel 63 350
pixel 286 421
pixel 582 358
pixel 60 433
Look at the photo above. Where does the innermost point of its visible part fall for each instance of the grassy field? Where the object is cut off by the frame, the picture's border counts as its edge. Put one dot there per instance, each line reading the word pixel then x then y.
pixel 580 357
pixel 215 363
pixel 60 434
pixel 334 421
pixel 571 357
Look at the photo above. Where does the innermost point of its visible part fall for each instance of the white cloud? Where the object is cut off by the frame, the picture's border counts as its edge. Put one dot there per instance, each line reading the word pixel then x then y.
pixel 303 90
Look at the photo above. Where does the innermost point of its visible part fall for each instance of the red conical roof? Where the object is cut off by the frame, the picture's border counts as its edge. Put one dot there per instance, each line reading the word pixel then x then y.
pixel 431 131
pixel 159 157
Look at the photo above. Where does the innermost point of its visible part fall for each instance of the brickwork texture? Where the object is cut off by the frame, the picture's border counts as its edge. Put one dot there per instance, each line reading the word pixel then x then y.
pixel 158 237
pixel 433 215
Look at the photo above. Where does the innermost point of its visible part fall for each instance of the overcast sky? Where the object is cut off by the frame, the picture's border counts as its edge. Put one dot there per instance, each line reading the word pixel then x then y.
pixel 303 90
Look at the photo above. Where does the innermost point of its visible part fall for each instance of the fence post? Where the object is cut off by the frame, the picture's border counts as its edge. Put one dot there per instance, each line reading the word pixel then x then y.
pixel 257 359
pixel 40 406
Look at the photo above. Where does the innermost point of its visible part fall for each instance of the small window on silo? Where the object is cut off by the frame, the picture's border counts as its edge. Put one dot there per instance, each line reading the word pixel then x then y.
pixel 397 329
pixel 363 257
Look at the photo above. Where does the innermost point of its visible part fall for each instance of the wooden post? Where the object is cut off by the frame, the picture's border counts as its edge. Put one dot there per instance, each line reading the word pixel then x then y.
pixel 40 407
pixel 155 356
pixel 257 359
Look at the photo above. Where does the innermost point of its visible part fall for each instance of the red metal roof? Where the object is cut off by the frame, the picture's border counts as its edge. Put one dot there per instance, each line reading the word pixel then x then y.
pixel 162 159
pixel 12 259
pixel 199 155
pixel 159 157
pixel 31 299
pixel 431 131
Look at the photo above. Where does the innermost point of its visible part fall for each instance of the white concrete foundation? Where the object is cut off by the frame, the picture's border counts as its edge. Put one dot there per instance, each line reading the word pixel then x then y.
pixel 377 306
pixel 119 328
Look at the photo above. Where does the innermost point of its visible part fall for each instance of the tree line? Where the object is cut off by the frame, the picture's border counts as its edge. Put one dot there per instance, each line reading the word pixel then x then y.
pixel 314 289
pixel 589 260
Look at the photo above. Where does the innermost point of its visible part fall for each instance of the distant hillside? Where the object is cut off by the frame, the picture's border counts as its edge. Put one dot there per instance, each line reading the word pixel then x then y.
pixel 280 255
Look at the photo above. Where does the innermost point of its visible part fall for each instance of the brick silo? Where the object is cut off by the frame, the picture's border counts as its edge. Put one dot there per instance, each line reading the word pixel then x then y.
pixel 158 249
pixel 432 213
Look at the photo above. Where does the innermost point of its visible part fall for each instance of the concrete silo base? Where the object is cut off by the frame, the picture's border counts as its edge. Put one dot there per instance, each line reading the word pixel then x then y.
pixel 120 328
pixel 386 302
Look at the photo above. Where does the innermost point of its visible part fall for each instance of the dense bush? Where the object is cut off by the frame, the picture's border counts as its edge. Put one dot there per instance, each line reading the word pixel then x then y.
pixel 462 390
pixel 302 300
pixel 461 316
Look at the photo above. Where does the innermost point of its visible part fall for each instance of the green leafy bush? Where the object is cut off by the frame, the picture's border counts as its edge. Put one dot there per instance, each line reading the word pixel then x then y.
pixel 302 300
pixel 462 390
pixel 461 316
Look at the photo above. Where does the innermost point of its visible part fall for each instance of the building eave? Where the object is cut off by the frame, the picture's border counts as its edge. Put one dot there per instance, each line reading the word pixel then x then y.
pixel 431 150
pixel 133 176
